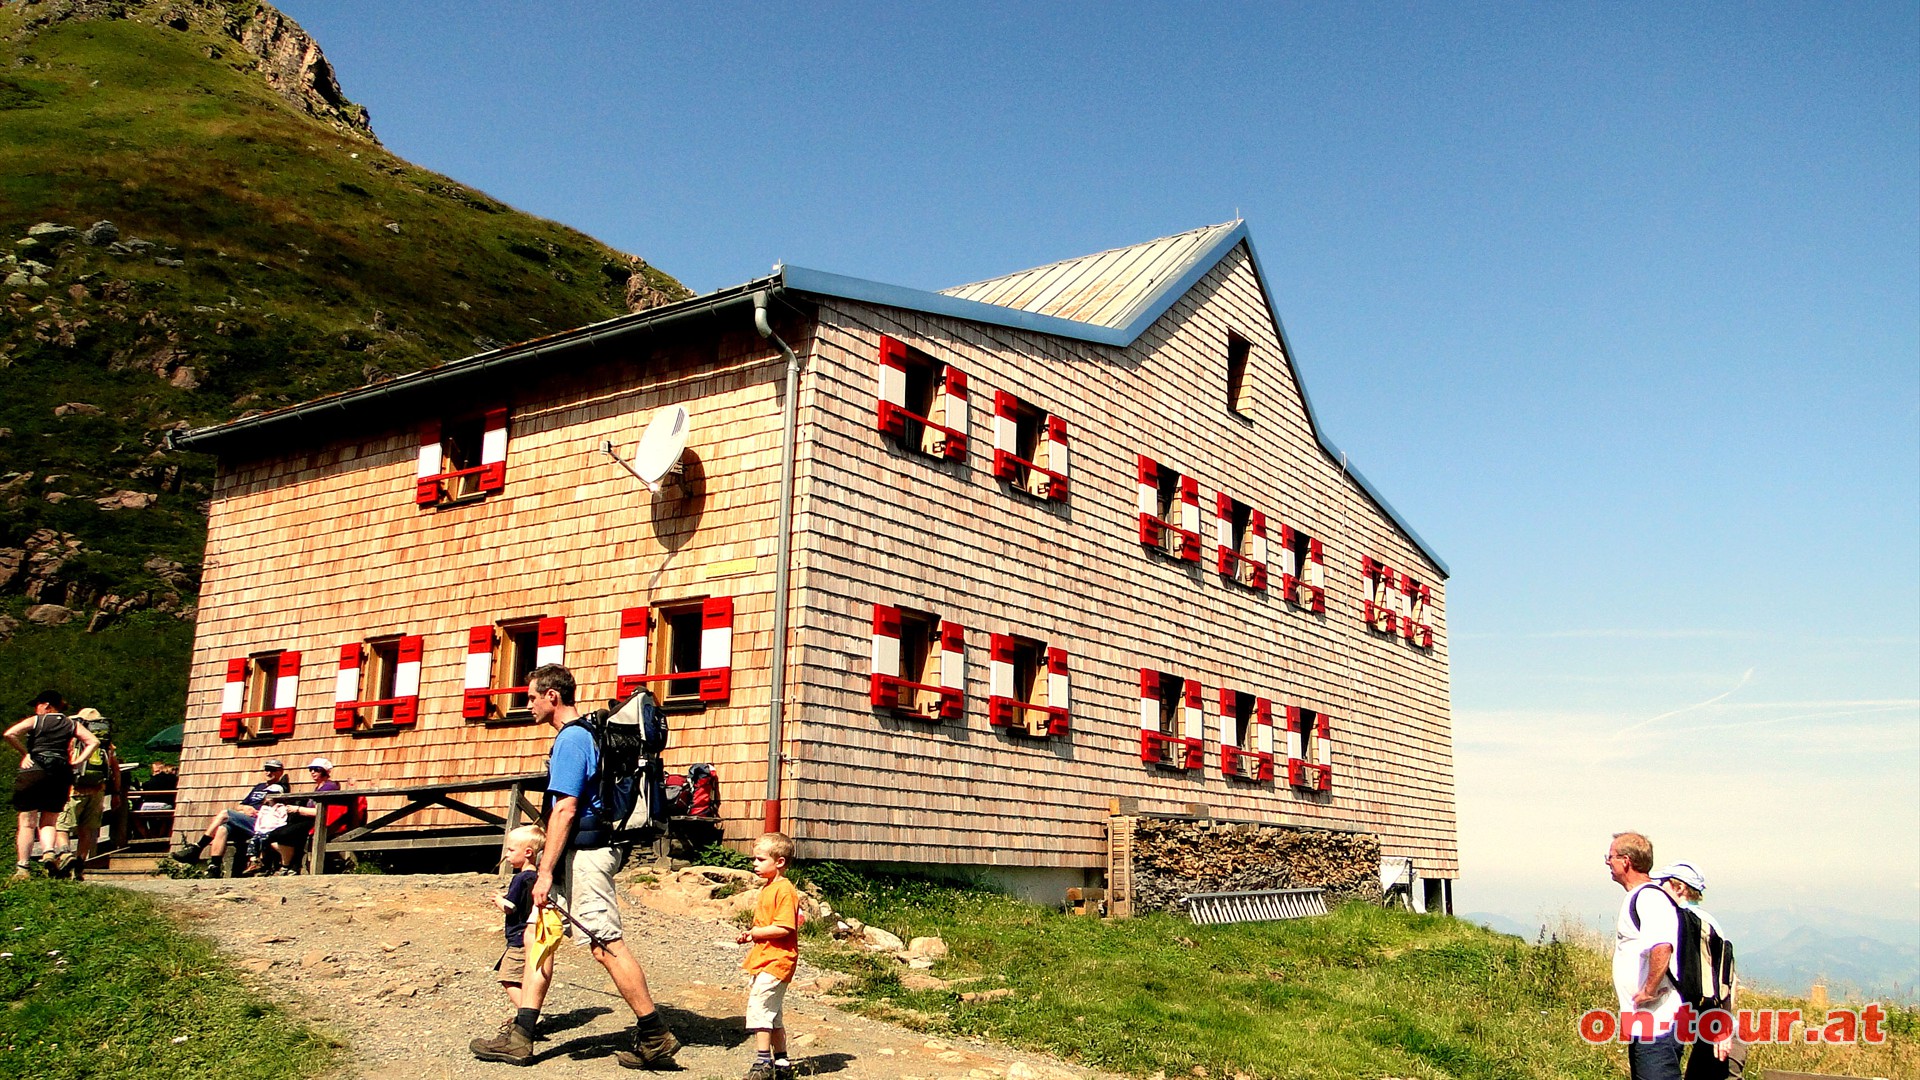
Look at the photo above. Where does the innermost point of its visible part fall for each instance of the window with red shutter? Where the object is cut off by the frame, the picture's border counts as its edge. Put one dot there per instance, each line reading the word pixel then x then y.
pixel 1169 507
pixel 1240 542
pixel 681 649
pixel 377 685
pixel 1309 749
pixel 1027 686
pixel 922 402
pixel 1172 720
pixel 1303 570
pixel 1246 736
pixel 1029 448
pixel 261 694
pixel 462 459
pixel 500 658
pixel 919 664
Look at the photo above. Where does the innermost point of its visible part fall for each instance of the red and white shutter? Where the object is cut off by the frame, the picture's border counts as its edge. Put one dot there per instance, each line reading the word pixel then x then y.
pixel 1369 589
pixel 1057 456
pixel 1289 565
pixel 1149 503
pixel 1190 518
pixel 631 661
pixel 953 670
pixel 479 673
pixel 1196 723
pixel 1150 737
pixel 406 680
pixel 1422 629
pixel 886 656
pixel 346 687
pixel 233 698
pixel 953 386
pixel 1263 735
pixel 286 693
pixel 892 391
pixel 1223 532
pixel 550 642
pixel 1323 751
pixel 493 451
pixel 716 648
pixel 426 489
pixel 1006 435
pixel 1059 698
pixel 1229 731
pixel 1000 703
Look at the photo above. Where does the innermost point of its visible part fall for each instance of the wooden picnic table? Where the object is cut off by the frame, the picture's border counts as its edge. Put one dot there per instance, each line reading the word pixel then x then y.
pixel 375 834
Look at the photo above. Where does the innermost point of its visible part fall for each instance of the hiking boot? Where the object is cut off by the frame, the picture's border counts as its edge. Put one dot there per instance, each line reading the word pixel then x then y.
pixel 187 853
pixel 762 1070
pixel 651 1052
pixel 512 1045
pixel 19 873
pixel 214 868
pixel 782 1072
pixel 54 863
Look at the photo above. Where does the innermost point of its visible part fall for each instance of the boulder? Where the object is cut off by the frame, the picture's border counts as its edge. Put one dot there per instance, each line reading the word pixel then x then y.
pixel 877 938
pixel 100 234
pixel 49 614
pixel 127 500
pixel 929 948
pixel 49 232
pixel 77 408
pixel 8 624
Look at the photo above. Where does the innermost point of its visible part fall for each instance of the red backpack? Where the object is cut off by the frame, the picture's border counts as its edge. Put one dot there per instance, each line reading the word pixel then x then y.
pixel 705 784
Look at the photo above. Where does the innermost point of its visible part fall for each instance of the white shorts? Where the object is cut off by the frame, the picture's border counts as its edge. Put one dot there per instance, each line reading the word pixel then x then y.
pixel 765 999
pixel 583 884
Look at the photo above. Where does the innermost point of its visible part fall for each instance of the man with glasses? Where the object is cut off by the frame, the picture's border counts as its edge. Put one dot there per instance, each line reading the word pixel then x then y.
pixel 235 824
pixel 1644 938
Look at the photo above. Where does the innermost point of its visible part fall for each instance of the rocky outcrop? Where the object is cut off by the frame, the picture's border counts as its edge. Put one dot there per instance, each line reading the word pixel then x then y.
pixel 285 55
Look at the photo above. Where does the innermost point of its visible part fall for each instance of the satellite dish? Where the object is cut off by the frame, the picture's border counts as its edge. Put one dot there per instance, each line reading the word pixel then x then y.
pixel 661 446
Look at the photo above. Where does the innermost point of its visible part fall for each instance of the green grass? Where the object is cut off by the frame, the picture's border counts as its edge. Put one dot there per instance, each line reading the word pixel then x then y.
pixel 1364 992
pixel 98 983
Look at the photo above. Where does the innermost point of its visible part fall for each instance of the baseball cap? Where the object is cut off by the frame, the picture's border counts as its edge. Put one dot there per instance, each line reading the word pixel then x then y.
pixel 273 763
pixel 1685 873
pixel 320 763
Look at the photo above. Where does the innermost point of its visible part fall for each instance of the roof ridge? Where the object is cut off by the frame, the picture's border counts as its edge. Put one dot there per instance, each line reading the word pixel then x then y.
pixel 1091 255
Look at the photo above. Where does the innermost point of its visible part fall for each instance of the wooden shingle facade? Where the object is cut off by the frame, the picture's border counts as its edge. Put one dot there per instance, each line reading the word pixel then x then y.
pixel 1079 540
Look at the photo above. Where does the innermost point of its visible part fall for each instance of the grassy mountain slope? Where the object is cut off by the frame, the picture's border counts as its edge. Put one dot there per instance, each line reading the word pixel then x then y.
pixel 263 256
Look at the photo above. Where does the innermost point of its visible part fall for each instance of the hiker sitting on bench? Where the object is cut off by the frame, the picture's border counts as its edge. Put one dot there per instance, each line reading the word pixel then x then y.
pixel 287 841
pixel 235 824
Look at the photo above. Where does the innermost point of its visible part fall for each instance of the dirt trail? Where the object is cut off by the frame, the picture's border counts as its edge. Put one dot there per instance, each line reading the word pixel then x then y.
pixel 402 968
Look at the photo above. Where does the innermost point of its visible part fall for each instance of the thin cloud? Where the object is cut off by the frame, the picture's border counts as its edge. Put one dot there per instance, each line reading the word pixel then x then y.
pixel 1745 678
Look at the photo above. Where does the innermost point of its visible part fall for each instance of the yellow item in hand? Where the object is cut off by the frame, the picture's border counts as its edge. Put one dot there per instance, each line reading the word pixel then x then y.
pixel 545 935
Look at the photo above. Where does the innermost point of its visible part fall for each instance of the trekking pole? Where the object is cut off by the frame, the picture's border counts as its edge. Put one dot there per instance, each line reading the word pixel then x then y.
pixel 593 939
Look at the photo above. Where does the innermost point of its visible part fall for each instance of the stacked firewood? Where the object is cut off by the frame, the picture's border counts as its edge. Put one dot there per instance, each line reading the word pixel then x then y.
pixel 1173 858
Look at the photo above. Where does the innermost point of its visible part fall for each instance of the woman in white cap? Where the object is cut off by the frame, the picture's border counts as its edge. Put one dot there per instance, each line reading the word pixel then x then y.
pixel 1709 1059
pixel 288 839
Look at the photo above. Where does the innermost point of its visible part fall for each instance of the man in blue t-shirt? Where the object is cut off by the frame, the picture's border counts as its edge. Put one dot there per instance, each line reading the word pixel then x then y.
pixel 576 871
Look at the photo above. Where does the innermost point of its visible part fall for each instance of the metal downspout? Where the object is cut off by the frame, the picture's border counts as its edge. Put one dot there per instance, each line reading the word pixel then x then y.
pixel 784 527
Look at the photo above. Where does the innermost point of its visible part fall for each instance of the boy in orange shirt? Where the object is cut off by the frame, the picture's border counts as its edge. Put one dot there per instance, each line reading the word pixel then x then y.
pixel 776 945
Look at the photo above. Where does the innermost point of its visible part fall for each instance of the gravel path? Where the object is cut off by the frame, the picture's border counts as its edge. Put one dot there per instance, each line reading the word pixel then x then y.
pixel 401 968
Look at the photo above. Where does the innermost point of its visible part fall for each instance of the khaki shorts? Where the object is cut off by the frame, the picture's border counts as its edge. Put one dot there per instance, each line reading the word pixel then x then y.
pixel 766 998
pixel 83 811
pixel 512 965
pixel 583 884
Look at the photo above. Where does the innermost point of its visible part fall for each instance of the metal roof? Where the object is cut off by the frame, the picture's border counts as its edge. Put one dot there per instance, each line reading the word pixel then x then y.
pixel 1106 288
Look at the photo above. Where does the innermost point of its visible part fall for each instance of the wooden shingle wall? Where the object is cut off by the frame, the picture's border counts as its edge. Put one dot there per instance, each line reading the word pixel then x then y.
pixel 326 547
pixel 879 523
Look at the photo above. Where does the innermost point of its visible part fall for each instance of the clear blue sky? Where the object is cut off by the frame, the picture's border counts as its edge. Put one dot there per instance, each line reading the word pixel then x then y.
pixel 1621 308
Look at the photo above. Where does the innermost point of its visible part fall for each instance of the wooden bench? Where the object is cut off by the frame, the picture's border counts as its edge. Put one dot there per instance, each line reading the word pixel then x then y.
pixel 383 829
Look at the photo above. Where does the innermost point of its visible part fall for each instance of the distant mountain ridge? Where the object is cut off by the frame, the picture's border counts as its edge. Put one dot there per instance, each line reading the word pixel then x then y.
pixel 195 223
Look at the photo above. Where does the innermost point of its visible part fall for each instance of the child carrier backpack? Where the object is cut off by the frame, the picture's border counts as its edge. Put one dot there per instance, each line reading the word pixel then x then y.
pixel 1702 959
pixel 628 741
